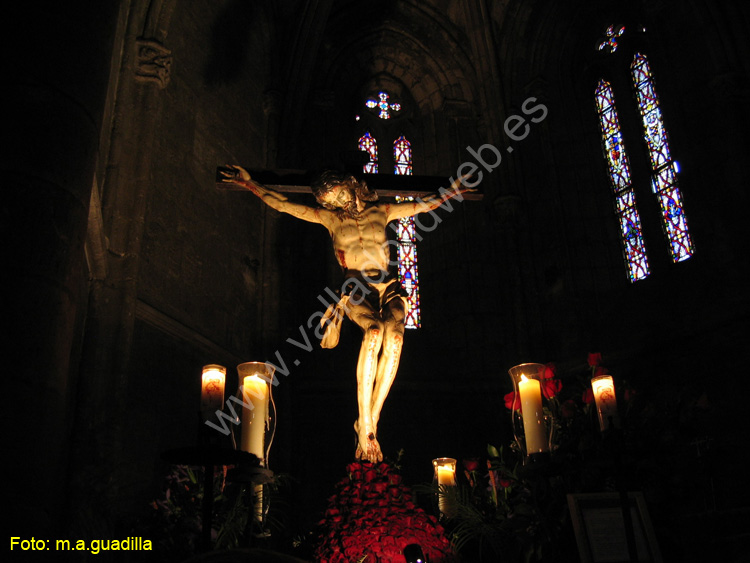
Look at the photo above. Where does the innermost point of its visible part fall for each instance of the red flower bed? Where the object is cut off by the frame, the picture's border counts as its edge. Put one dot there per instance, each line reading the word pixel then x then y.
pixel 373 513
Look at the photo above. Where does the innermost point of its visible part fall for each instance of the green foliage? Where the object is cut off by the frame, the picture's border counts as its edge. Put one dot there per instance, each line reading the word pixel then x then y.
pixel 496 517
pixel 175 519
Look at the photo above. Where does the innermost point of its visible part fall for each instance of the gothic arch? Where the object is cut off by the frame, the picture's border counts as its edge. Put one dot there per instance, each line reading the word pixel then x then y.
pixel 413 47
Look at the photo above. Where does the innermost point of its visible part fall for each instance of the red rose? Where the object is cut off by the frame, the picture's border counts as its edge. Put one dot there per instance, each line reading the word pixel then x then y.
pixel 471 464
pixel 550 370
pixel 595 359
pixel 362 520
pixel 588 396
pixel 504 481
pixel 551 387
pixel 510 404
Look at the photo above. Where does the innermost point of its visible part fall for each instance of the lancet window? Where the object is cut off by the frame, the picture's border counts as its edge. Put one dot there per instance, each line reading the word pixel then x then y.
pixel 664 169
pixel 383 107
pixel 407 239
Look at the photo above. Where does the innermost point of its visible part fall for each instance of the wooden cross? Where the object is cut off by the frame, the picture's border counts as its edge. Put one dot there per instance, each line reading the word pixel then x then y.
pixel 386 185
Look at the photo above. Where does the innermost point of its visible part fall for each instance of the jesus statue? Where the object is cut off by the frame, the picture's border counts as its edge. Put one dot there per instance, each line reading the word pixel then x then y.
pixel 375 301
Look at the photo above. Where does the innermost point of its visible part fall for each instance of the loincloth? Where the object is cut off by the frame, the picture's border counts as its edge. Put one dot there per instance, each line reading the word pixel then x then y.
pixel 358 290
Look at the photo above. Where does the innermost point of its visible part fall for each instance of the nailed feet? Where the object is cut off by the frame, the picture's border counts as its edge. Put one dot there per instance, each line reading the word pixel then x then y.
pixel 368 448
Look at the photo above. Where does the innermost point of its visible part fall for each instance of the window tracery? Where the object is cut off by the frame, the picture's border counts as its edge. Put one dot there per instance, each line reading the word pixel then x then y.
pixel 664 169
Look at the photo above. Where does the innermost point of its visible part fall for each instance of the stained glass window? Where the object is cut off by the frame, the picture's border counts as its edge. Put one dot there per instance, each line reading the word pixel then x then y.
pixel 634 249
pixel 406 236
pixel 383 106
pixel 610 38
pixel 368 144
pixel 402 156
pixel 664 169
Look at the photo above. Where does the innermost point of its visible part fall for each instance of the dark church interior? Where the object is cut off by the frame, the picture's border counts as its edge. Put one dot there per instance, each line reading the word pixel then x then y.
pixel 129 265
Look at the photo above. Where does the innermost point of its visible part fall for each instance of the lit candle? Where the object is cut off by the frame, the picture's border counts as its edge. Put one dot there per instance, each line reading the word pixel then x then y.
pixel 446 476
pixel 445 473
pixel 255 394
pixel 256 378
pixel 606 401
pixel 212 389
pixel 532 412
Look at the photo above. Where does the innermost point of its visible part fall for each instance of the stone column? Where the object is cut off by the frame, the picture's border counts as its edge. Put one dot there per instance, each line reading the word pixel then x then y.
pixel 98 470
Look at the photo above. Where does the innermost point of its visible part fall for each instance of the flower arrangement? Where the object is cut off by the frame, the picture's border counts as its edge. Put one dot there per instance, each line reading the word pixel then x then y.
pixel 373 517
pixel 503 509
pixel 175 520
pixel 509 511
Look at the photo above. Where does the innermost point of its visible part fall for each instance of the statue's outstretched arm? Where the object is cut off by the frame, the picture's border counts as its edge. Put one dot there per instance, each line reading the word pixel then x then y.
pixel 272 198
pixel 430 202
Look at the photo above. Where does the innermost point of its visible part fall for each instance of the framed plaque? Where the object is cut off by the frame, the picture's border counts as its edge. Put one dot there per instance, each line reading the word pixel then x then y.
pixel 602 530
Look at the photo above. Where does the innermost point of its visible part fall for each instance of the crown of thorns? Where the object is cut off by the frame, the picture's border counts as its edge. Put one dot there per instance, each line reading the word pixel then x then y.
pixel 330 180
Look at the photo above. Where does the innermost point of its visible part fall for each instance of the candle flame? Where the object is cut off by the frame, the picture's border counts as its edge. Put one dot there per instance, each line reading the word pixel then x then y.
pixel 524 378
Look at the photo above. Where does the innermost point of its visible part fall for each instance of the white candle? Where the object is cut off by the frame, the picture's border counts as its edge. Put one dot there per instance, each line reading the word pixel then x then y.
pixel 255 394
pixel 606 401
pixel 446 476
pixel 256 378
pixel 213 379
pixel 533 415
pixel 445 471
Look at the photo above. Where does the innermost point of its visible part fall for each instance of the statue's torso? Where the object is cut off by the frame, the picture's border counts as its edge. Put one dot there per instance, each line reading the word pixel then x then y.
pixel 361 243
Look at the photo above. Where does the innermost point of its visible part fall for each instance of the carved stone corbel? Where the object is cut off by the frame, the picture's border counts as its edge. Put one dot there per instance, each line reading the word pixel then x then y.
pixel 153 62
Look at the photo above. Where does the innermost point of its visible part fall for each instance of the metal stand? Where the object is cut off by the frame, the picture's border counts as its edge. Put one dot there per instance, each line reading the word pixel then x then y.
pixel 209 457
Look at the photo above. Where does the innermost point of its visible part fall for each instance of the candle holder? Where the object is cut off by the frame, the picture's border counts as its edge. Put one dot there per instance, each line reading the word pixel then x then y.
pixel 605 398
pixel 445 478
pixel 256 380
pixel 531 417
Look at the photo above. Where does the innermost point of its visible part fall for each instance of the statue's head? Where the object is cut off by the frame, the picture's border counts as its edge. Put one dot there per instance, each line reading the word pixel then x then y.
pixel 341 192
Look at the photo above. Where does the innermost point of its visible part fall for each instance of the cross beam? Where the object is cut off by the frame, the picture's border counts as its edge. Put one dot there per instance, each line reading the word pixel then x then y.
pixel 386 185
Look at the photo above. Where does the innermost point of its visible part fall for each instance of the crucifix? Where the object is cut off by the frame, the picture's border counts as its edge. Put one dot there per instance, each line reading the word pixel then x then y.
pixel 371 297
